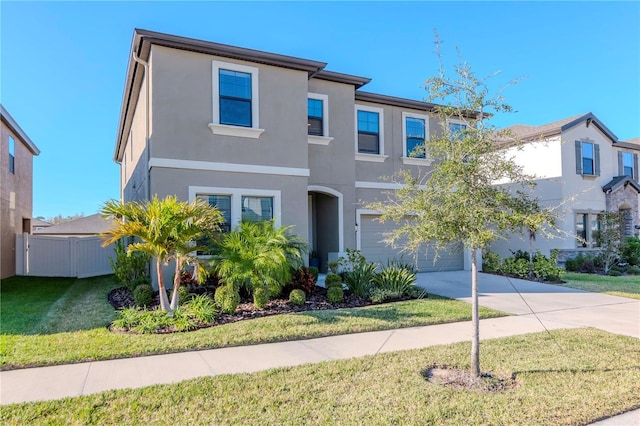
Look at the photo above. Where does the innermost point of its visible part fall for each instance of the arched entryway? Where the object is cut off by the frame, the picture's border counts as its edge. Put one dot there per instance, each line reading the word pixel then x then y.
pixel 326 223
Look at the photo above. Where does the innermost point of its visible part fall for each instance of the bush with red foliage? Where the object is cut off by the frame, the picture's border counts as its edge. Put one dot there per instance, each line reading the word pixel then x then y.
pixel 303 280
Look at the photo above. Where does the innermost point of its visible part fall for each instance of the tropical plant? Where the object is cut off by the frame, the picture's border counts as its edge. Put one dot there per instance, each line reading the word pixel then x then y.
pixel 630 252
pixel 258 255
pixel 333 280
pixel 459 201
pixel 303 280
pixel 395 279
pixel 260 297
pixel 358 273
pixel 165 229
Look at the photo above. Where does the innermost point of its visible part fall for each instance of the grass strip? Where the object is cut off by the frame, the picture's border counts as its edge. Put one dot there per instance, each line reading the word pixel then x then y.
pixel 18 351
pixel 588 375
pixel 626 286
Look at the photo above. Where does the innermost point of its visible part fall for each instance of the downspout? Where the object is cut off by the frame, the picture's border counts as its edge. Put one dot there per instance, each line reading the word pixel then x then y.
pixel 147 139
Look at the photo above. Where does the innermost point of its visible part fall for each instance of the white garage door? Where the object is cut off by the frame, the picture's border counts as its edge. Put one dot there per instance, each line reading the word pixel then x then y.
pixel 375 250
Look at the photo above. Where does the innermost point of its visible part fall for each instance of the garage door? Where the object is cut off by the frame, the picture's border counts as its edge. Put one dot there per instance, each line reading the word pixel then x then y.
pixel 375 250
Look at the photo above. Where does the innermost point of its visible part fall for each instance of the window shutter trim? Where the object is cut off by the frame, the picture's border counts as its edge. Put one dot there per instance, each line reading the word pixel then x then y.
pixel 596 160
pixel 635 167
pixel 579 157
pixel 620 163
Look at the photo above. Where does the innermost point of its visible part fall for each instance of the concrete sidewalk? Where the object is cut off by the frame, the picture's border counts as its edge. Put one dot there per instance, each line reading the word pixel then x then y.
pixel 46 383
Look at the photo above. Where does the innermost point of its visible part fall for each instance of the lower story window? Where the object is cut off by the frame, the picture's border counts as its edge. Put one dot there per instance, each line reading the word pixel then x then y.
pixel 256 209
pixel 587 229
pixel 223 204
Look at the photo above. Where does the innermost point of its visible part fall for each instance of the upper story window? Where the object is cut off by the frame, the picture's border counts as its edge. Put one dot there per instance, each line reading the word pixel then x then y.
pixel 628 164
pixel 368 132
pixel 456 128
pixel 415 135
pixel 235 100
pixel 587 158
pixel 315 115
pixel 12 155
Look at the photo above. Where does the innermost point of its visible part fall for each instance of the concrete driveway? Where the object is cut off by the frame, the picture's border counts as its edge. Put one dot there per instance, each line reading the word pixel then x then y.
pixel 551 303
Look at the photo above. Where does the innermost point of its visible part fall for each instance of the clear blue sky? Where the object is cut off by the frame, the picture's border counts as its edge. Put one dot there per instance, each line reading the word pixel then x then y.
pixel 63 65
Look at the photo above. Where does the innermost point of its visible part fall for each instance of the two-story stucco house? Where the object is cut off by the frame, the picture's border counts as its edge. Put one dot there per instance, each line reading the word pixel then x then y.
pixel 267 136
pixel 583 170
pixel 16 189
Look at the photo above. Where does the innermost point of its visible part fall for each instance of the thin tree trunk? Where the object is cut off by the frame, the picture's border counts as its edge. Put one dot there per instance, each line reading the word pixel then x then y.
pixel 176 285
pixel 164 300
pixel 532 237
pixel 475 320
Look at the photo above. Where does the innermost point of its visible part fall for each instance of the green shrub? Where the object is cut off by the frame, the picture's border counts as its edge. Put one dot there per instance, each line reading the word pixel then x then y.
pixel 260 297
pixel 303 280
pixel 490 261
pixel 202 308
pixel 614 273
pixel 335 295
pixel 297 297
pixel 314 272
pixel 143 295
pixel 630 251
pixel 518 268
pixel 401 263
pixel 547 269
pixel 333 266
pixel 333 280
pixel 395 279
pixel 379 295
pixel 633 270
pixel 227 298
pixel 130 269
pixel 520 254
pixel 358 274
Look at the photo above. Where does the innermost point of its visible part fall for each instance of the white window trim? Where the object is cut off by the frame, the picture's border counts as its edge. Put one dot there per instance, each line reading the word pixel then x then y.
pixel 370 157
pixel 325 139
pixel 236 200
pixel 413 161
pixel 590 239
pixel 252 132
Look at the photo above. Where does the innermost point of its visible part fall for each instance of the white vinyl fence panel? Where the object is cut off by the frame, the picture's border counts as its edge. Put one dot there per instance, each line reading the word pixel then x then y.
pixel 45 256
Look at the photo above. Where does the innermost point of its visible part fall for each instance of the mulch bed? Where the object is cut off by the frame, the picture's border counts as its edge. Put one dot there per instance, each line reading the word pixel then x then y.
pixel 121 298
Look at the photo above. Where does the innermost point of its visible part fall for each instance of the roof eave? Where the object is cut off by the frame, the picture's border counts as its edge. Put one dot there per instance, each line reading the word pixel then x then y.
pixel 337 77
pixel 590 118
pixel 15 128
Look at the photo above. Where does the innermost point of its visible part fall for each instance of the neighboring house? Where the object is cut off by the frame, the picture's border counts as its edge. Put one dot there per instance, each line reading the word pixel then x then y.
pixel 88 226
pixel 583 169
pixel 39 224
pixel 268 136
pixel 16 189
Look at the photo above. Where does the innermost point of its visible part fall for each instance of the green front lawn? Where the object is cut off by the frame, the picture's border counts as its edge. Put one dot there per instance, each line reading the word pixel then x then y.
pixel 627 286
pixel 573 377
pixel 80 306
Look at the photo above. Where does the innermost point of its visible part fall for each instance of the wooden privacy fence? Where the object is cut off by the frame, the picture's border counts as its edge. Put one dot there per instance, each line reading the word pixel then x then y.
pixel 45 256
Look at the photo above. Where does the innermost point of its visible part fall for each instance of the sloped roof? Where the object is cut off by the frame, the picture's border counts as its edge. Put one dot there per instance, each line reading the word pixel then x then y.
pixel 89 225
pixel 37 222
pixel 15 128
pixel 527 132
pixel 619 182
pixel 635 141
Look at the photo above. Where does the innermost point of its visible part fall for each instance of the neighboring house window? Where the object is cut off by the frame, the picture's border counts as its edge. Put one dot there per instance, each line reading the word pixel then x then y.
pixel 315 117
pixel 587 229
pixel 368 132
pixel 456 129
pixel 415 133
pixel 12 155
pixel 587 158
pixel 235 98
pixel 628 164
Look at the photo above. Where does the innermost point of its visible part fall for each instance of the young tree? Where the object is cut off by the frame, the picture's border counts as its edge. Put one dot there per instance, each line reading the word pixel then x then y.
pixel 165 229
pixel 458 201
pixel 609 238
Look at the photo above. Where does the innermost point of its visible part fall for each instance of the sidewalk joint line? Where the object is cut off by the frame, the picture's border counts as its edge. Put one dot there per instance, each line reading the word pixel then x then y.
pixel 86 378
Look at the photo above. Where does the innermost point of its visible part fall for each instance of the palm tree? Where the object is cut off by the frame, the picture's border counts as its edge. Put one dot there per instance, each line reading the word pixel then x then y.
pixel 258 255
pixel 166 229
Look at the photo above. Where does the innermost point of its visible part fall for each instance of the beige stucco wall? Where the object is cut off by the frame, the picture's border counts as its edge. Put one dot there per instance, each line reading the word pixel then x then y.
pixel 16 201
pixel 134 165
